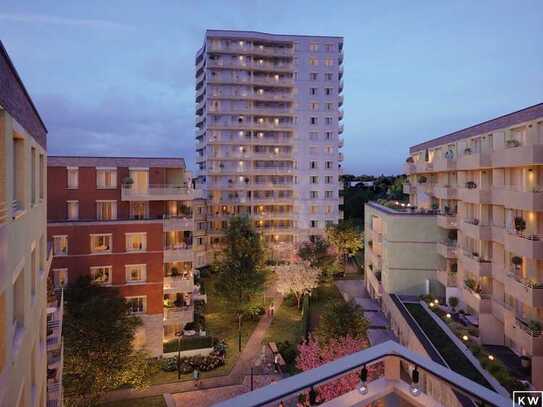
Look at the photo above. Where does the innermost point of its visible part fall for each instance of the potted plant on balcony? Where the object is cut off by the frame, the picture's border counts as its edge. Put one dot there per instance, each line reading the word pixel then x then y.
pixel 174 272
pixel 470 283
pixel 534 327
pixel 520 224
pixel 409 160
pixel 449 154
pixel 471 185
pixel 422 179
pixel 453 303
pixel 517 262
pixel 128 182
pixel 467 151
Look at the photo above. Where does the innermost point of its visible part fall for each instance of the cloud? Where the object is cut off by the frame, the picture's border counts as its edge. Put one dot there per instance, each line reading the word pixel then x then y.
pixel 117 126
pixel 53 20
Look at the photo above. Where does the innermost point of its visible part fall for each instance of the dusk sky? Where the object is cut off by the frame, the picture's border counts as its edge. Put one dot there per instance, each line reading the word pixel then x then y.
pixel 117 77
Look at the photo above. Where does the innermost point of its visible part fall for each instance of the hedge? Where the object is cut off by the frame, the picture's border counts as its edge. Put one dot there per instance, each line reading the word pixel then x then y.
pixel 189 343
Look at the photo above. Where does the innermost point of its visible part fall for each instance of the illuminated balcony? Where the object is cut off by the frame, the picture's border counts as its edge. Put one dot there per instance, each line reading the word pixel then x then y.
pixel 474 264
pixel 473 161
pixel 474 229
pixel 178 223
pixel 174 284
pixel 55 312
pixel 527 337
pixel 475 195
pixel 175 253
pixel 527 291
pixel 525 200
pixel 525 245
pixel 157 192
pixel 178 315
pixel 445 387
pixel 480 301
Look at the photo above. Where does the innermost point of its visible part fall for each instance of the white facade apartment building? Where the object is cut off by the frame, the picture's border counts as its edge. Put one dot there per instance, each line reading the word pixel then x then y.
pixel 268 132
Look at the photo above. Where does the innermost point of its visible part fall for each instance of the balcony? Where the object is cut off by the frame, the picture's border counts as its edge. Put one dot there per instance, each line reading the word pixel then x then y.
pixel 248 48
pixel 158 192
pixel 525 200
pixel 476 195
pixel 480 301
pixel 178 315
pixel 525 245
pixel 424 166
pixel 340 129
pixel 527 338
pixel 178 284
pixel 55 312
pixel 444 164
pixel 445 192
pixel 340 157
pixel 447 249
pixel 447 278
pixel 410 168
pixel 409 189
pixel 474 264
pixel 180 252
pixel 178 223
pixel 394 380
pixel 374 280
pixel 473 160
pixel 447 221
pixel 518 156
pixel 474 229
pixel 527 291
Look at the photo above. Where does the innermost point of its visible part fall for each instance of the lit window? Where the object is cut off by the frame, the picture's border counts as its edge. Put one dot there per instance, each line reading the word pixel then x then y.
pixel 60 277
pixel 136 305
pixel 136 242
pixel 328 62
pixel 106 178
pixel 106 210
pixel 313 47
pixel 73 177
pixel 135 272
pixel 101 243
pixel 72 209
pixel 313 61
pixel 101 275
pixel 60 245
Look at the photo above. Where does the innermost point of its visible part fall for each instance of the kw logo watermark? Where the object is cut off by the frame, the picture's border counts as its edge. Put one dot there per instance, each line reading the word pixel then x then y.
pixel 528 398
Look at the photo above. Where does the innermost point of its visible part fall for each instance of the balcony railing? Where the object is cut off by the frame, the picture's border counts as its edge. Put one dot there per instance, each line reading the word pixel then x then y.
pixel 160 192
pixel 393 356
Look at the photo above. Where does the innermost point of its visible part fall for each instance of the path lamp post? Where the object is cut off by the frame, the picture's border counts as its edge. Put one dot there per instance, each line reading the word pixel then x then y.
pixel 179 335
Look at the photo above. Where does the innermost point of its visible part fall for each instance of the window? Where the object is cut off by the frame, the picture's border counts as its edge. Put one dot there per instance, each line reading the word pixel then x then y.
pixel 328 150
pixel 313 61
pixel 329 47
pixel 60 245
pixel 328 222
pixel 328 91
pixel 328 194
pixel 313 165
pixel 139 210
pixel 106 178
pixel 135 272
pixel 73 177
pixel 329 106
pixel 313 179
pixel 329 165
pixel 136 305
pixel 136 242
pixel 101 243
pixel 313 76
pixel 312 91
pixel 313 136
pixel 314 120
pixel 328 62
pixel 101 275
pixel 328 179
pixel 60 277
pixel 41 179
pixel 314 223
pixel 328 121
pixel 329 76
pixel 314 47
pixel 328 209
pixel 314 194
pixel 106 210
pixel 313 209
pixel 314 106
pixel 33 175
pixel 72 210
pixel 33 272
pixel 328 135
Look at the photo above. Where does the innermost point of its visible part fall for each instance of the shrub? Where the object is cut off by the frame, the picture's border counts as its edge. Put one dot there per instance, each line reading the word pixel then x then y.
pixel 255 311
pixel 422 179
pixel 202 363
pixel 471 185
pixel 189 343
pixel 520 224
pixel 453 302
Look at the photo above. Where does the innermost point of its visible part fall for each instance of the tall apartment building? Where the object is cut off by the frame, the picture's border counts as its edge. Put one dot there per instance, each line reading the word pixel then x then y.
pixel 486 184
pixel 132 223
pixel 268 132
pixel 24 257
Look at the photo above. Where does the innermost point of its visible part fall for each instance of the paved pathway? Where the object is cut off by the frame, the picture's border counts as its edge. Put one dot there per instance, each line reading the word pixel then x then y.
pixel 234 378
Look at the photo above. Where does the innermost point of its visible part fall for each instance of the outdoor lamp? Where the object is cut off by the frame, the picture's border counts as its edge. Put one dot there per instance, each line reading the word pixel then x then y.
pixel 415 382
pixel 448 316
pixel 363 389
pixel 465 337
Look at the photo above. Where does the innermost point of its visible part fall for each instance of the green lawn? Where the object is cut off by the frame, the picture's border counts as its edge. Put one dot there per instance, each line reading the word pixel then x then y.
pixel 223 326
pixel 321 296
pixel 157 401
pixel 286 325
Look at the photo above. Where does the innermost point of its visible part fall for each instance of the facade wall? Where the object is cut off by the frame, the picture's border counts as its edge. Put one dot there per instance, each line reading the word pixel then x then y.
pixel 24 259
pixel 482 180
pixel 258 152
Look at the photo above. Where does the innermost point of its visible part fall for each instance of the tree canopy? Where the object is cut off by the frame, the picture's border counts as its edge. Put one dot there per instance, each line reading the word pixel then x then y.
pixel 341 319
pixel 297 279
pixel 98 353
pixel 346 238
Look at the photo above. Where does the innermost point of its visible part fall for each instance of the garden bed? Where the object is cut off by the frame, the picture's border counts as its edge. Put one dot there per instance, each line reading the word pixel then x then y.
pixel 189 343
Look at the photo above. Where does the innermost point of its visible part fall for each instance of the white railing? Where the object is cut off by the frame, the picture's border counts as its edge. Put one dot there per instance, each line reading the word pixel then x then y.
pixel 392 382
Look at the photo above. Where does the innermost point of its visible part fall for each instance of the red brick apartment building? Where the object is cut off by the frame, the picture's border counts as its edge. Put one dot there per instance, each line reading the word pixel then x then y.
pixel 132 223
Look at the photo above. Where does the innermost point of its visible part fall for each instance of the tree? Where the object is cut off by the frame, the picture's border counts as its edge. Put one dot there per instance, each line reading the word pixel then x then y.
pixel 312 354
pixel 316 253
pixel 346 238
pixel 395 191
pixel 340 319
pixel 241 270
pixel 98 353
pixel 297 279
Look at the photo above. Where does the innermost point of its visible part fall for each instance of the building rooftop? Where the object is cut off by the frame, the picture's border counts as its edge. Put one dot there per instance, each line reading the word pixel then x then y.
pixel 82 161
pixel 507 120
pixel 400 208
pixel 15 99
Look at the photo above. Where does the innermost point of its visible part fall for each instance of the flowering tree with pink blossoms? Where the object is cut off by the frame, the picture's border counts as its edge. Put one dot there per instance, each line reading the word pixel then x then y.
pixel 312 355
